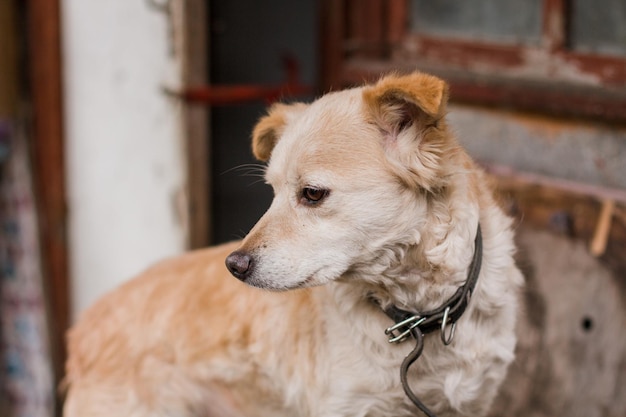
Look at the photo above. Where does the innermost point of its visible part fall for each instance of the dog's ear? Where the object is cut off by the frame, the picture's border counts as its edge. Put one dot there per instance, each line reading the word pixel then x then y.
pixel 410 111
pixel 398 100
pixel 270 127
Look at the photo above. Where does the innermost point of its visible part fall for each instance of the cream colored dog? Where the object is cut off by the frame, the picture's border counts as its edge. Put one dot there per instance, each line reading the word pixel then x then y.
pixel 375 206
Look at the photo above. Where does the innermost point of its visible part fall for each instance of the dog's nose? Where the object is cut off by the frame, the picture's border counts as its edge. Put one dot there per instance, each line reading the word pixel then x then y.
pixel 239 264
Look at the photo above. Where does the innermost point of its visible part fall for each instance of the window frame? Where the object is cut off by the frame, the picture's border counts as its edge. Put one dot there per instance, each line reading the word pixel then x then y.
pixel 364 38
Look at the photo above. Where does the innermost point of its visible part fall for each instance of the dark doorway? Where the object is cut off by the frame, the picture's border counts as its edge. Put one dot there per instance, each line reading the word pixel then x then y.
pixel 249 40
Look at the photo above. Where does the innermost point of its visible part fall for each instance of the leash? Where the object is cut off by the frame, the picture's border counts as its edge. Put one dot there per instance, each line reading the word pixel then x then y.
pixel 419 324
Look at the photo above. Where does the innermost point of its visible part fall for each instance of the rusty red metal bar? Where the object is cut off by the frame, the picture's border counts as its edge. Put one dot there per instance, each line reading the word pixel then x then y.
pixel 223 95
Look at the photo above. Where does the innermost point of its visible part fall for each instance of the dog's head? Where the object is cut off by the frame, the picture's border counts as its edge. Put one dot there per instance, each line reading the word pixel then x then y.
pixel 352 174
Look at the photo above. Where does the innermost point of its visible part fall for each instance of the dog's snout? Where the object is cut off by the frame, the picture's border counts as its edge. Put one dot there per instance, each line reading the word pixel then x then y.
pixel 239 264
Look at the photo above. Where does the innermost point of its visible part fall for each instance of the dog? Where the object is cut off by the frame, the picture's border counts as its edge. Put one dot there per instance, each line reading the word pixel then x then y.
pixel 377 209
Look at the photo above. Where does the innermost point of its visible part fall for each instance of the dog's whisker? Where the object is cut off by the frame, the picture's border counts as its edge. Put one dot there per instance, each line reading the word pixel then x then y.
pixel 239 235
pixel 251 168
pixel 253 183
pixel 254 174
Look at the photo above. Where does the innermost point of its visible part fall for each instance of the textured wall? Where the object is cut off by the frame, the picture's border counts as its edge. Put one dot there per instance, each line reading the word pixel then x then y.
pixel 124 154
pixel 566 149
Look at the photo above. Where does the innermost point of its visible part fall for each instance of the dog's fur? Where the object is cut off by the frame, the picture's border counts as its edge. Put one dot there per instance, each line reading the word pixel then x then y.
pixel 399 204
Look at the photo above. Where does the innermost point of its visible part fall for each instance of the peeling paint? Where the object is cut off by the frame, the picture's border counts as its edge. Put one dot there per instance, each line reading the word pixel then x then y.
pixel 539 63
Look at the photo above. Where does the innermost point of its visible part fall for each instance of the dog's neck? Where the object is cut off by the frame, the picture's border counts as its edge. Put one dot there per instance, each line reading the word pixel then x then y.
pixel 414 288
pixel 451 310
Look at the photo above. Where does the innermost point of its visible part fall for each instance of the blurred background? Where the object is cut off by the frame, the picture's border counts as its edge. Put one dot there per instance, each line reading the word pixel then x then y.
pixel 124 138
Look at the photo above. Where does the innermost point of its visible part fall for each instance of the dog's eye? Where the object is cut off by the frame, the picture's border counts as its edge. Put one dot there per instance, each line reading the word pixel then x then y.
pixel 312 195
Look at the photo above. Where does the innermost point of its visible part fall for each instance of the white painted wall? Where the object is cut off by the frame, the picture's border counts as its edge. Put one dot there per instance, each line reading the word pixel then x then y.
pixel 125 163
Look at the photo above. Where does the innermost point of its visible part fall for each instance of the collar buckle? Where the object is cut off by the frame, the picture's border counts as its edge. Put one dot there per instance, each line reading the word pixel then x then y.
pixel 400 331
pixel 447 339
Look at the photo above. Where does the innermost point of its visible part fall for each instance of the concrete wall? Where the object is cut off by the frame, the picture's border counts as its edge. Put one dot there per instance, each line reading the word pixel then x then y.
pixel 125 164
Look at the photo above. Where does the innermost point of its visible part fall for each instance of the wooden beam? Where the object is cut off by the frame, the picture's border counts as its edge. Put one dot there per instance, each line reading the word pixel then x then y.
pixel 196 123
pixel 8 58
pixel 554 33
pixel 397 21
pixel 566 208
pixel 44 46
pixel 332 26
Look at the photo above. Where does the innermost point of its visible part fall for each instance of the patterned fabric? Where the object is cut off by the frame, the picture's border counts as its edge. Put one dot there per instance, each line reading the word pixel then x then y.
pixel 26 381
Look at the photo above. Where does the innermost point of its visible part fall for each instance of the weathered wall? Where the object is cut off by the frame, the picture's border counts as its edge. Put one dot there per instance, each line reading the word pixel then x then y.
pixel 567 149
pixel 571 353
pixel 125 160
